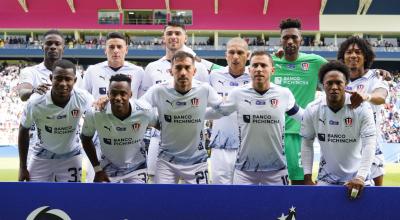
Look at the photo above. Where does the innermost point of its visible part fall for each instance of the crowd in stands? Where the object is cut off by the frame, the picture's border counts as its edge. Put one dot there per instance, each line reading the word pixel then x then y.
pixel 11 106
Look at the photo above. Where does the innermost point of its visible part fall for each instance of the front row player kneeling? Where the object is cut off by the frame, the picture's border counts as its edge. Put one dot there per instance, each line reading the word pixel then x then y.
pixel 56 114
pixel 347 136
pixel 120 127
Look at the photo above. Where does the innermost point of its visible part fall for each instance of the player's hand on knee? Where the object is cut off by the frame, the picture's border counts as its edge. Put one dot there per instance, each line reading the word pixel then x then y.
pixel 355 187
pixel 23 175
pixel 101 177
pixel 100 104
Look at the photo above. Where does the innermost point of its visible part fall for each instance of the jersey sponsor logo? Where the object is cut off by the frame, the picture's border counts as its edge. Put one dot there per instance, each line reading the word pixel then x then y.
pixel 102 90
pixel 349 88
pixel 278 80
pixel 169 102
pixel 195 102
pixel 348 122
pixel 120 128
pixel 321 137
pixel 178 103
pixel 246 118
pixel 136 126
pixel 75 113
pixel 233 84
pixel 332 122
pixel 305 66
pixel 48 129
pixel 260 102
pixel 167 118
pixel 56 117
pixel 291 66
pixel 274 103
pixel 107 141
pixel 108 128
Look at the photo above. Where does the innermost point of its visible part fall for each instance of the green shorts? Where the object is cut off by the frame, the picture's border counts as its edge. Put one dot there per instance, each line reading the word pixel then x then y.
pixel 293 156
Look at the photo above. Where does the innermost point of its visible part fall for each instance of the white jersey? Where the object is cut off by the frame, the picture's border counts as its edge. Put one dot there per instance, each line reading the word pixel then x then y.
pixel 97 78
pixel 121 141
pixel 182 120
pixel 158 71
pixel 261 120
pixel 57 128
pixel 367 84
pixel 339 135
pixel 37 75
pixel 225 131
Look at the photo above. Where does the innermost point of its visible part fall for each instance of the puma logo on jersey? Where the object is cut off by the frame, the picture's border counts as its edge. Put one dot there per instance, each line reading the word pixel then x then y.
pixel 104 78
pixel 169 102
pixel 247 101
pixel 222 83
pixel 108 128
pixel 323 121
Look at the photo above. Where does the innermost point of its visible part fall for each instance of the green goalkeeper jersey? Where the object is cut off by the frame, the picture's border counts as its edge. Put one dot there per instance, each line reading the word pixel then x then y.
pixel 301 77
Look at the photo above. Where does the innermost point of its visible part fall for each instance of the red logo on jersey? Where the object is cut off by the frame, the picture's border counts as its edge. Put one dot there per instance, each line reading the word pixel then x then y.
pixel 195 102
pixel 348 121
pixel 274 103
pixel 75 113
pixel 136 126
pixel 305 66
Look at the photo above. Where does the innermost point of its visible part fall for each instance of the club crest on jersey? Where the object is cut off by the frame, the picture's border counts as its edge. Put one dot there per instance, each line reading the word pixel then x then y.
pixel 360 87
pixel 348 122
pixel 305 66
pixel 136 127
pixel 75 113
pixel 195 102
pixel 274 103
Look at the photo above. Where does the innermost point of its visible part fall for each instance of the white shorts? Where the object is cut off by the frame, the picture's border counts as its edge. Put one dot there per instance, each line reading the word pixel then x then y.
pixel 56 170
pixel 377 168
pixel 169 173
pixel 279 177
pixel 88 165
pixel 222 165
pixel 152 154
pixel 137 176
pixel 322 183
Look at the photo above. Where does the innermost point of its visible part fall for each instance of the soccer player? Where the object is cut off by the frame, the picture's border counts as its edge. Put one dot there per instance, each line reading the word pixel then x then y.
pixel 96 78
pixel 174 38
pixel 367 86
pixel 181 105
pixel 298 72
pixel 347 135
pixel 225 137
pixel 261 108
pixel 56 114
pixel 121 127
pixel 35 79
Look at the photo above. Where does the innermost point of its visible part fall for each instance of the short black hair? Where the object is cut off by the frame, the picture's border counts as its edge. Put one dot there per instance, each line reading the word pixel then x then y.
pixel 290 23
pixel 364 45
pixel 55 32
pixel 65 64
pixel 261 53
pixel 118 35
pixel 180 55
pixel 120 78
pixel 333 65
pixel 175 24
